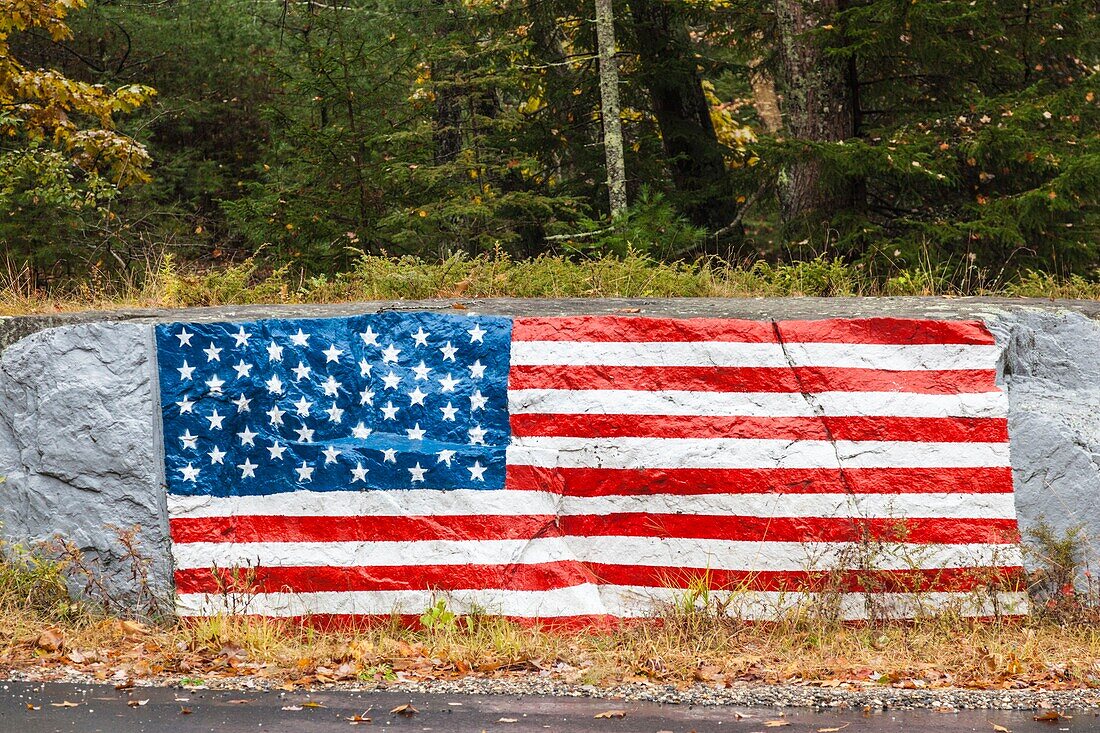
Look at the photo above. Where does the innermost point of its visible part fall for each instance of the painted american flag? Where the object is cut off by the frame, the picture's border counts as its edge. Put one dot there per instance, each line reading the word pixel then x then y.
pixel 586 468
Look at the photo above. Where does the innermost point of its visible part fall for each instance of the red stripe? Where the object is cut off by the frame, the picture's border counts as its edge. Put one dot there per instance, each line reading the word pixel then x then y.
pixel 627 328
pixel 920 429
pixel 837 330
pixel 752 379
pixel 885 331
pixel 251 528
pixel 791 529
pixel 549 576
pixel 265 528
pixel 628 481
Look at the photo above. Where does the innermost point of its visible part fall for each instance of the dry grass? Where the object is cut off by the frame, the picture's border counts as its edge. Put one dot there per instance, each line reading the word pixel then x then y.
pixel 162 283
pixel 678 651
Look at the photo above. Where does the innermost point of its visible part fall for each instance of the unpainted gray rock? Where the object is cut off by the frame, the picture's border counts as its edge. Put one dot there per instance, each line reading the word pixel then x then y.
pixel 78 449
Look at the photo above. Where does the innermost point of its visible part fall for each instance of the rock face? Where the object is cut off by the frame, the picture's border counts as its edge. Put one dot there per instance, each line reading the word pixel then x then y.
pixel 78 447
pixel 80 452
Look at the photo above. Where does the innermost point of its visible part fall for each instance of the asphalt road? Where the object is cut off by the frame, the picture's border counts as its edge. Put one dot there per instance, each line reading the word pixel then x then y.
pixel 64 708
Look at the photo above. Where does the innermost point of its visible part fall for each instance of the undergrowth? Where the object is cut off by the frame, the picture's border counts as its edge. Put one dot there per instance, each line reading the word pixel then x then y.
pixel 632 275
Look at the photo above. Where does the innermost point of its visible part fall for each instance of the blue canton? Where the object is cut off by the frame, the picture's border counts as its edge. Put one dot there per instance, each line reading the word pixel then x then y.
pixel 374 402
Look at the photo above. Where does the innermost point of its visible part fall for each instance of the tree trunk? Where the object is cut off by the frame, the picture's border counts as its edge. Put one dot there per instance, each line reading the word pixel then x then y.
pixel 818 105
pixel 609 105
pixel 670 73
pixel 447 122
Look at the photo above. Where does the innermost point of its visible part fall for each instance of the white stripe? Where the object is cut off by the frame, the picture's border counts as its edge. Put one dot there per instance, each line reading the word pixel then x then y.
pixel 754 404
pixel 655 551
pixel 587 599
pixel 737 354
pixel 472 502
pixel 635 453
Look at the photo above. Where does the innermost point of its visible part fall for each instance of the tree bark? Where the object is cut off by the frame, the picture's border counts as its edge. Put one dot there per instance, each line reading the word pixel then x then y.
pixel 819 105
pixel 609 105
pixel 447 122
pixel 670 73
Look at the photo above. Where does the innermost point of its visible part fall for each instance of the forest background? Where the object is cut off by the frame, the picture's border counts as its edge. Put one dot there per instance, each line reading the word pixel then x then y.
pixel 906 142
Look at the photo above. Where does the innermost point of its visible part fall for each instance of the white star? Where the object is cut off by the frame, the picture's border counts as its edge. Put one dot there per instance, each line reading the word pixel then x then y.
pixel 185 337
pixel 188 440
pixel 305 472
pixel 359 473
pixel 364 368
pixel 417 472
pixel 366 397
pixel 415 432
pixel 216 455
pixel 448 384
pixel 390 354
pixel 390 411
pixel 241 337
pixel 301 371
pixel 361 431
pixel 477 435
pixel 391 380
pixel 186 371
pixel 190 473
pixel 390 455
pixel 417 397
pixel 248 468
pixel 332 387
pixel 274 385
pixel 477 333
pixel 277 450
pixel 215 420
pixel 370 338
pixel 421 337
pixel 215 384
pixel 276 415
pixel 300 339
pixel 242 404
pixel 477 370
pixel 243 369
pixel 477 471
pixel 477 401
pixel 247 437
pixel 305 434
pixel 332 354
pixel 445 456
pixel 421 371
pixel 302 406
pixel 449 412
pixel 448 351
pixel 213 353
pixel 334 413
pixel 274 352
pixel 185 405
pixel 330 454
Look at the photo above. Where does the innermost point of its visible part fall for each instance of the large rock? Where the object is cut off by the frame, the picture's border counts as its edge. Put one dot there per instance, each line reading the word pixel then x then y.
pixel 81 457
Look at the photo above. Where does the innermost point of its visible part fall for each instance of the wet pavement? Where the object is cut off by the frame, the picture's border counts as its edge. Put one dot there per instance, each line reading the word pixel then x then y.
pixel 62 708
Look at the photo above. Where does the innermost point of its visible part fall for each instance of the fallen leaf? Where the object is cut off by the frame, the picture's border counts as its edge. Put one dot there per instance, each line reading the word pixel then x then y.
pixel 775 723
pixel 357 719
pixel 137 703
pixel 313 704
pixel 833 730
pixel 132 629
pixel 508 720
pixel 49 640
pixel 125 685
pixel 608 714
pixel 1000 728
pixel 238 702
pixel 185 711
pixel 33 707
pixel 1048 715
pixel 405 710
pixel 65 704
